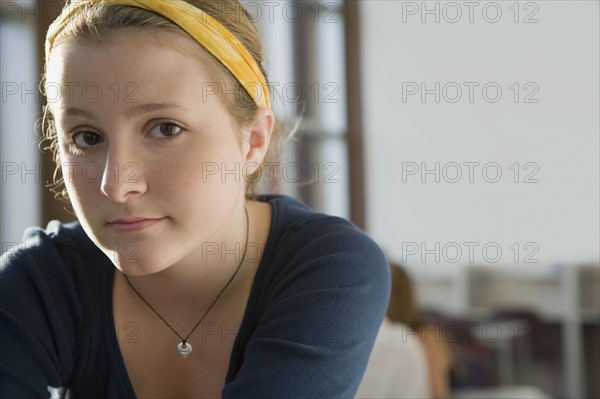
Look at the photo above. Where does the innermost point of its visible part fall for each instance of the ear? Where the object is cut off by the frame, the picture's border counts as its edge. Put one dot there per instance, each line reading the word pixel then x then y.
pixel 257 137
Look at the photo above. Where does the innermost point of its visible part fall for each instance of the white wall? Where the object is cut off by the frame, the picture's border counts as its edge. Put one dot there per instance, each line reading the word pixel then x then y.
pixel 555 140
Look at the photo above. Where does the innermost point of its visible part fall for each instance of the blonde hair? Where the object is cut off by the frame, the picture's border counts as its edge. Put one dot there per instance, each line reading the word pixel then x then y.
pixel 101 20
pixel 402 307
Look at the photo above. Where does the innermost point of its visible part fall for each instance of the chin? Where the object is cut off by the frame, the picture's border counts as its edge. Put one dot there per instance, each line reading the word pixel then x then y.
pixel 133 262
pixel 138 269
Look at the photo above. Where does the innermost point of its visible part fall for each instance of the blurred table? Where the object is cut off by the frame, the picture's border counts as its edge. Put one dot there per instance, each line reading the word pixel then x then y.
pixel 505 392
pixel 503 338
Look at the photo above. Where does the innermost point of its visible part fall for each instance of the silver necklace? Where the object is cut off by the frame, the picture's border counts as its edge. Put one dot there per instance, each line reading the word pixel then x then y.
pixel 184 348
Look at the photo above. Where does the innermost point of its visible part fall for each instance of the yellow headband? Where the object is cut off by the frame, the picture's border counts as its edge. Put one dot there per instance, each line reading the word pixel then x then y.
pixel 206 30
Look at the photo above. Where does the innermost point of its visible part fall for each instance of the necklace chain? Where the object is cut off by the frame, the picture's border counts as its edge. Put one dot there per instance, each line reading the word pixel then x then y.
pixel 184 342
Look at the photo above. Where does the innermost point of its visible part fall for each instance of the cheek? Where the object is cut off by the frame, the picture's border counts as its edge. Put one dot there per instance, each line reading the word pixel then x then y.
pixel 207 167
pixel 167 173
pixel 82 179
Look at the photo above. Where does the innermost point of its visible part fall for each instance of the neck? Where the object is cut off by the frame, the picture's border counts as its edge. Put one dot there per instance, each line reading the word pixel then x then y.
pixel 194 282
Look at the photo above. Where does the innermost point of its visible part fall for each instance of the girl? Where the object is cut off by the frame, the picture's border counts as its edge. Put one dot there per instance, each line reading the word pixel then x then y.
pixel 175 281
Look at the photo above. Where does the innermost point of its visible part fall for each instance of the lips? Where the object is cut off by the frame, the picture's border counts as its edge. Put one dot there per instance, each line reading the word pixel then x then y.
pixel 132 224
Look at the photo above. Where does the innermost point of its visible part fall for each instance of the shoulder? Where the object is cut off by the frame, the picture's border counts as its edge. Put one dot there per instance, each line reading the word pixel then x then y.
pixel 54 265
pixel 302 239
pixel 318 299
pixel 40 250
pixel 49 288
pixel 45 253
pixel 296 227
pixel 46 269
pixel 52 278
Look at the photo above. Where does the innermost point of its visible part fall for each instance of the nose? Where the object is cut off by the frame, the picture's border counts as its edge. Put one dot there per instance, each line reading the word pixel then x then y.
pixel 122 178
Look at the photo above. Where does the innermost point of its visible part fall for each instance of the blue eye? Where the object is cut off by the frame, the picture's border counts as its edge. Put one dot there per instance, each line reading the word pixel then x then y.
pixel 165 130
pixel 86 139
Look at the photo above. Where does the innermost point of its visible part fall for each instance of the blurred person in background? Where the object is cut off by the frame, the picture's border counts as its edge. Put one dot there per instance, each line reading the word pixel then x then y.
pixel 402 309
pixel 411 358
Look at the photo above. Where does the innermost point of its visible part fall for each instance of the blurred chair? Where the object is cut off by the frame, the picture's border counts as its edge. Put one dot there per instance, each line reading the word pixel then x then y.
pixel 526 345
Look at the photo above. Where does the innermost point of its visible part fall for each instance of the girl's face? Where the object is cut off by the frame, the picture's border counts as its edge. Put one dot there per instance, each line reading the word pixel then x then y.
pixel 153 163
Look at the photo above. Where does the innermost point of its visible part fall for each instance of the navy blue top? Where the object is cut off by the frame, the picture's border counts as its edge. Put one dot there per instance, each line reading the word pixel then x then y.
pixel 316 304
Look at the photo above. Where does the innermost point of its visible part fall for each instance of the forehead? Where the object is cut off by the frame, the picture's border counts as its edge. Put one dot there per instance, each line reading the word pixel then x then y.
pixel 133 62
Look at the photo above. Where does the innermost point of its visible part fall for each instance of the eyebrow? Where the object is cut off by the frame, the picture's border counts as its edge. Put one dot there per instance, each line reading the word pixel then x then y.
pixel 134 110
pixel 139 109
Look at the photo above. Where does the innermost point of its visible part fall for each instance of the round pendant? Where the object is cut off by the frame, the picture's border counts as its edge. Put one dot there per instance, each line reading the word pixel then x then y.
pixel 184 349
